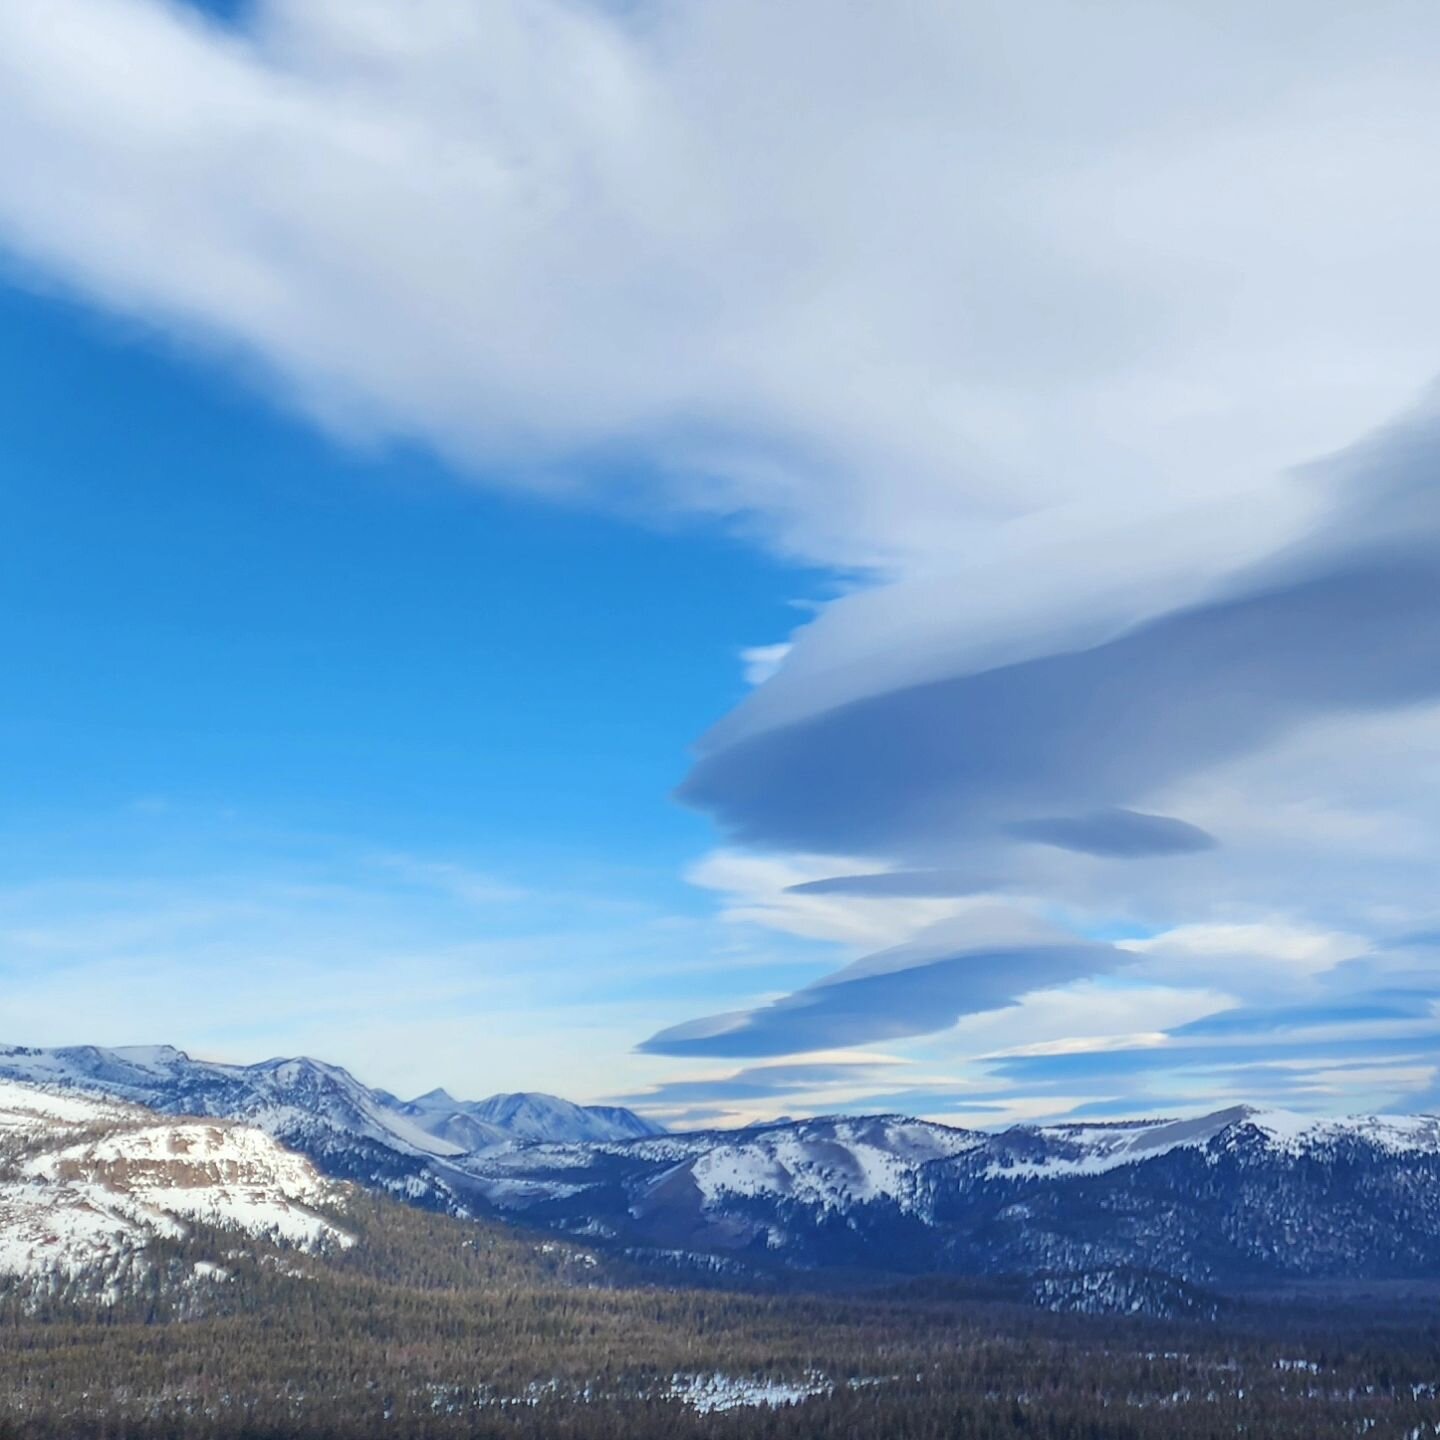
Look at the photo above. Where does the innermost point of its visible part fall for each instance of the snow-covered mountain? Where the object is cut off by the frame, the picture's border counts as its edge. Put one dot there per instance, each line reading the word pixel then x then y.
pixel 1225 1200
pixel 795 1192
pixel 525 1115
pixel 1056 1151
pixel 278 1095
pixel 1236 1197
pixel 88 1185
pixel 321 1110
pixel 411 1149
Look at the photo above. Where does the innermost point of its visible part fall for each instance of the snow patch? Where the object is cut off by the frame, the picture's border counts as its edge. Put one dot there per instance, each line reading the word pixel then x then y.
pixel 86 1184
pixel 708 1394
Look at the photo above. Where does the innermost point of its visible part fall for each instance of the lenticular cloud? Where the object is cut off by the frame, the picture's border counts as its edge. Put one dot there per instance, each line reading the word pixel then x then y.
pixel 1113 778
pixel 911 990
pixel 1079 749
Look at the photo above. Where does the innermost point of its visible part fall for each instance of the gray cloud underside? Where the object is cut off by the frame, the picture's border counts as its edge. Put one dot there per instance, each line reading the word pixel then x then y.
pixel 921 770
pixel 1257 1021
pixel 889 996
pixel 1115 834
pixel 759 1082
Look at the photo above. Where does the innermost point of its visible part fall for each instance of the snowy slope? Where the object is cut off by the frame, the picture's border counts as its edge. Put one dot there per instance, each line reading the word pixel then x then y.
pixel 294 1099
pixel 829 1164
pixel 408 1149
pixel 621 1123
pixel 1075 1150
pixel 806 1193
pixel 86 1184
pixel 1221 1200
pixel 530 1116
pixel 308 1102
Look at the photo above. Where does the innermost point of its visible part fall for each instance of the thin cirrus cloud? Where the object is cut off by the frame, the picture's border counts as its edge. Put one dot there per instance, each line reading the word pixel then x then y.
pixel 1105 1069
pixel 1363 1022
pixel 1380 1005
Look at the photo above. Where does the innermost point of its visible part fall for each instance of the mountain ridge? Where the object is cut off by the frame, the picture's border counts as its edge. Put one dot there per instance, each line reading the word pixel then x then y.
pixel 136 1071
pixel 89 1184
pixel 1244 1195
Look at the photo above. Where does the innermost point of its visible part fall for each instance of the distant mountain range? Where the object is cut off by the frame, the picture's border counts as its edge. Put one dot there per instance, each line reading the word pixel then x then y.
pixel 523 1115
pixel 349 1130
pixel 1236 1199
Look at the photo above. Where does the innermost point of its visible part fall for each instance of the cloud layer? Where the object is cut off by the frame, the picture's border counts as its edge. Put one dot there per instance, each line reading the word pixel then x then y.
pixel 1287 673
pixel 910 990
pixel 1349 624
pixel 897 285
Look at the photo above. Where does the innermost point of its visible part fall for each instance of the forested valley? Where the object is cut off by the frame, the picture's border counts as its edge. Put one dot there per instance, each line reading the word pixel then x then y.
pixel 431 1326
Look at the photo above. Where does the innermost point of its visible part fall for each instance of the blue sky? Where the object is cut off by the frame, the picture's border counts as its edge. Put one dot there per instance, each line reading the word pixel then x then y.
pixel 751 561
pixel 223 609
pixel 254 657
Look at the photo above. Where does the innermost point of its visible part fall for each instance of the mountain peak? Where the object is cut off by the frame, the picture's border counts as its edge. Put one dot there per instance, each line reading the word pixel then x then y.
pixel 148 1056
pixel 317 1106
pixel 533 1115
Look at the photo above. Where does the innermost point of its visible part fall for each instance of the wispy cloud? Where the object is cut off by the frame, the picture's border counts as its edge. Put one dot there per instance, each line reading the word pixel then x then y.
pixel 783 893
pixel 760 662
pixel 392 977
pixel 473 887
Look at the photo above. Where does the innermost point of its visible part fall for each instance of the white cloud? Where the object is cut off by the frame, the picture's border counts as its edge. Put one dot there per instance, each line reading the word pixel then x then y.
pixel 756 891
pixel 1261 959
pixel 899 312
pixel 1084 1016
pixel 760 662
